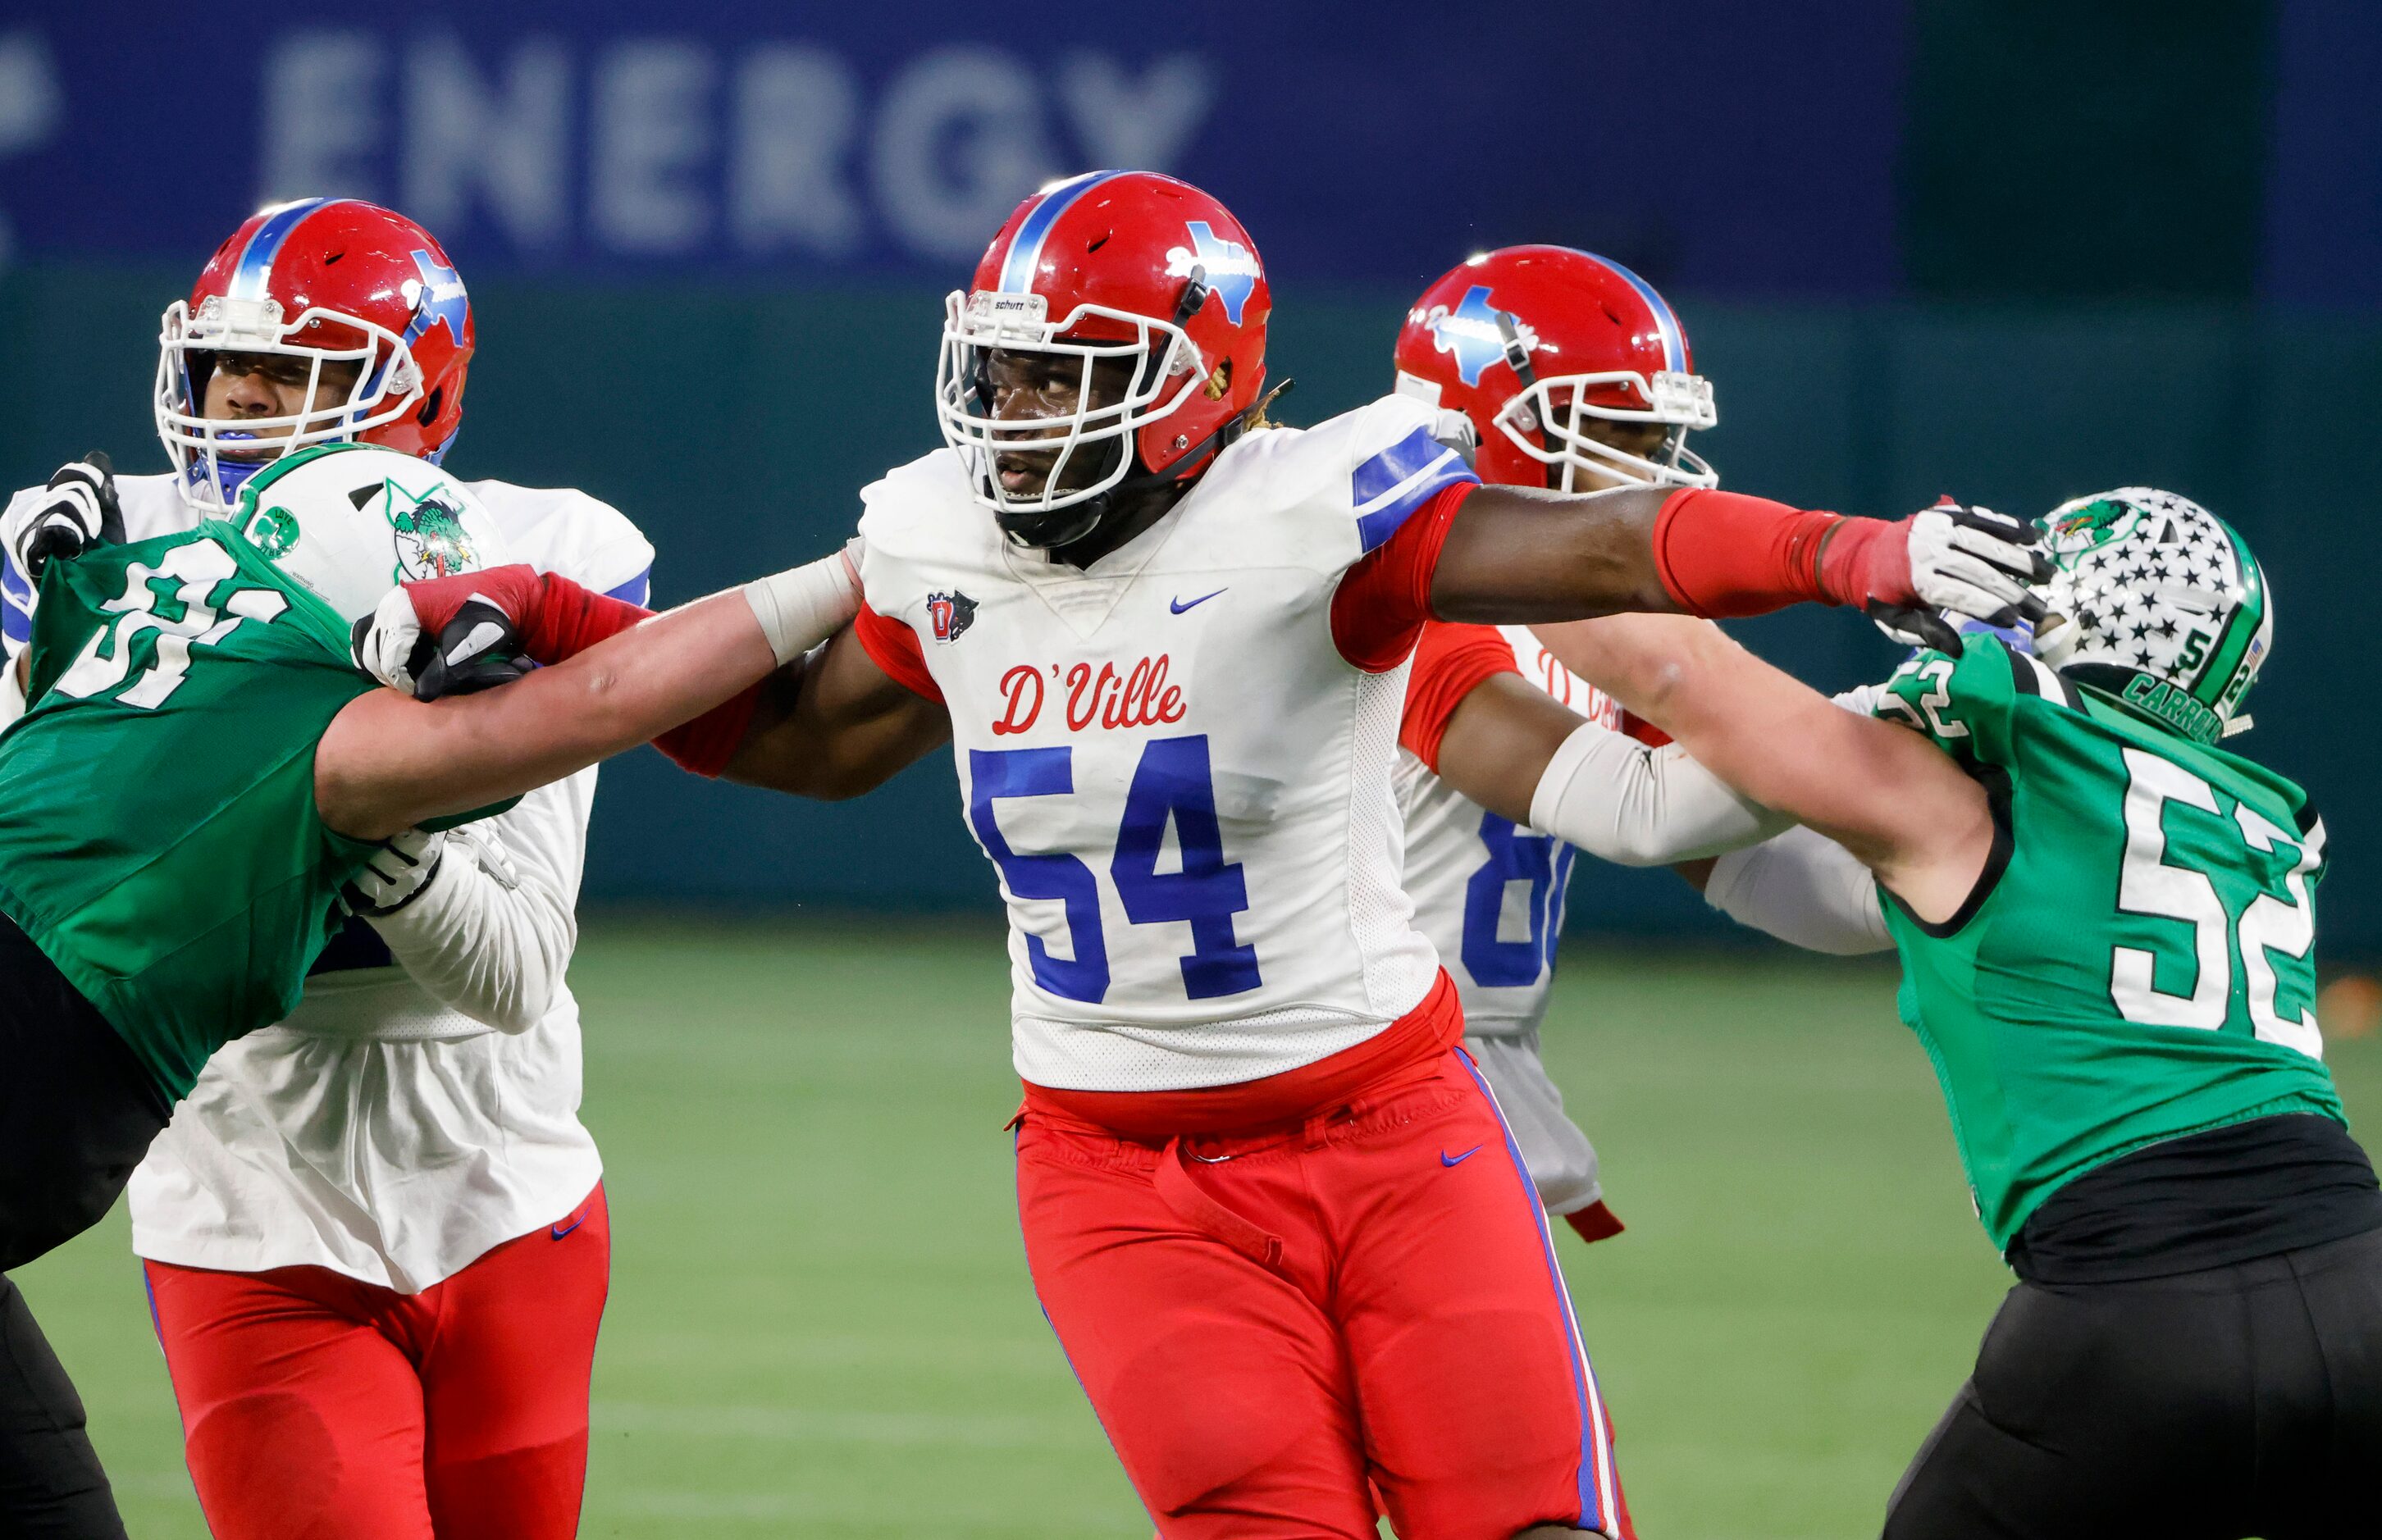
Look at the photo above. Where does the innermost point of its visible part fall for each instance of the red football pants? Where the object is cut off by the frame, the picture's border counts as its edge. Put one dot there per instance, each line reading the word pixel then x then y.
pixel 1274 1326
pixel 314 1406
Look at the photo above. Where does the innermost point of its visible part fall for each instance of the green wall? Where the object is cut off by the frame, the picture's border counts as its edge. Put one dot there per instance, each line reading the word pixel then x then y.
pixel 736 424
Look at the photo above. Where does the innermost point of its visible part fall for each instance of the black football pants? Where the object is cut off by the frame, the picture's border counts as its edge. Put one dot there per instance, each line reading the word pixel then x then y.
pixel 77 1113
pixel 2239 1401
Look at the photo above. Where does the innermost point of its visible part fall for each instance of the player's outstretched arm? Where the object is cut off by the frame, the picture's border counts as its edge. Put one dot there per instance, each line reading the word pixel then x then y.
pixel 389 761
pixel 1898 803
pixel 1521 554
pixel 834 725
pixel 1516 751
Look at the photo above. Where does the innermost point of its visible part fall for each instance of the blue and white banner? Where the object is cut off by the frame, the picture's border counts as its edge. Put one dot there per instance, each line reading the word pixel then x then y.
pixel 890 140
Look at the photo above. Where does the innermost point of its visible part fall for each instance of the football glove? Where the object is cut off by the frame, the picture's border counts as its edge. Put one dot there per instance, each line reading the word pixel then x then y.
pixel 81 512
pixel 396 873
pixel 1970 561
pixel 477 649
pixel 448 636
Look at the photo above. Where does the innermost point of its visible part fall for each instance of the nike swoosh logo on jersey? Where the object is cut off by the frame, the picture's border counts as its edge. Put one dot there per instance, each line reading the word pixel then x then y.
pixel 1179 606
pixel 481 635
pixel 576 1221
pixel 1446 1160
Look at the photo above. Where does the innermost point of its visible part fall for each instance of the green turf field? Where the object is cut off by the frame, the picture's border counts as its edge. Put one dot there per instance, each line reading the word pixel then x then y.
pixel 820 1322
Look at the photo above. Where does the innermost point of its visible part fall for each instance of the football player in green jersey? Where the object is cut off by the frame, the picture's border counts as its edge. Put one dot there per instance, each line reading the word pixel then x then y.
pixel 202 769
pixel 2106 924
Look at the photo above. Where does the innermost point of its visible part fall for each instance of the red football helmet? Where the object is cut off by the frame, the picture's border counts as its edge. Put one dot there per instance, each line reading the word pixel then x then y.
pixel 330 281
pixel 1109 264
pixel 1526 342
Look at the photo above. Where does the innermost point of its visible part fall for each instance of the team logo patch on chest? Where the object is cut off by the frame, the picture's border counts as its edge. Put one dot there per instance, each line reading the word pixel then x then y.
pixel 950 613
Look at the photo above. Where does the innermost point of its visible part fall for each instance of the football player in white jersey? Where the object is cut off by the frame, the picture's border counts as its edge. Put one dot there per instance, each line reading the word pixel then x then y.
pixel 1284 1238
pixel 1556 368
pixel 374 1234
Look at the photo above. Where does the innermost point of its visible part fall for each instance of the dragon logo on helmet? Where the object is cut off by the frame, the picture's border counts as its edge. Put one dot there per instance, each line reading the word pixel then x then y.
pixel 431 539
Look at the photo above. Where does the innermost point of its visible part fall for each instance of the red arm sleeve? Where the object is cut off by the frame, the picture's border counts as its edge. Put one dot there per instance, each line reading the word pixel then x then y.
pixel 1448 662
pixel 1723 552
pixel 559 619
pixel 893 647
pixel 1382 601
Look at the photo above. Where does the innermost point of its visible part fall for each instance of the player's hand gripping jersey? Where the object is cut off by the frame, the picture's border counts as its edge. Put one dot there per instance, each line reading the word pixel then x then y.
pixel 2139 966
pixel 1180 760
pixel 162 845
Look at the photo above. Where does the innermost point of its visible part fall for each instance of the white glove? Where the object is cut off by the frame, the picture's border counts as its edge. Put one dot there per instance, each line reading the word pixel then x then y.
pixel 383 646
pixel 1971 561
pixel 396 873
pixel 81 512
pixel 478 650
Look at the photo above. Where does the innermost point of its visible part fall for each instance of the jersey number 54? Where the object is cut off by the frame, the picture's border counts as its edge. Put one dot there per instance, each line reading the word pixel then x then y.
pixel 1174 780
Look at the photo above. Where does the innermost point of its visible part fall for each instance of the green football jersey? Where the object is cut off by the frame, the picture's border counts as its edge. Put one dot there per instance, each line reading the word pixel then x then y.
pixel 2138 961
pixel 161 843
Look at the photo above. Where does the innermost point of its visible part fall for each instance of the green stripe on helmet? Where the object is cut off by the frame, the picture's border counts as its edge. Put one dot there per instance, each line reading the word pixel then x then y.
pixel 285 464
pixel 2214 679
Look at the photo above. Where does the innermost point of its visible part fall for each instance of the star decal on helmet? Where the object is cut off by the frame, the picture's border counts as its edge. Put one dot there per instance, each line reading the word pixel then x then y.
pixel 1232 268
pixel 437 298
pixel 1472 333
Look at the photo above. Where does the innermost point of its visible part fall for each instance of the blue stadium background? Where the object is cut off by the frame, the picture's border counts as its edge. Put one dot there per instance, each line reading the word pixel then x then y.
pixel 2006 248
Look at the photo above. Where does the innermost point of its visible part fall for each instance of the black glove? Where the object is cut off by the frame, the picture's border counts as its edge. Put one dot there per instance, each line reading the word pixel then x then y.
pixel 479 648
pixel 82 512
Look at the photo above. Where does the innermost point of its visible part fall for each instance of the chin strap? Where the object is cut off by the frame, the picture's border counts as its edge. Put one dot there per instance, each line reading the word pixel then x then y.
pixel 1192 461
pixel 1517 359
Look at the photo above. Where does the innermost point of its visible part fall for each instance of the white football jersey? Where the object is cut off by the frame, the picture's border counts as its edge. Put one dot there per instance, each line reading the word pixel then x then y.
pixel 1183 785
pixel 1487 891
pixel 1489 895
pixel 378 1133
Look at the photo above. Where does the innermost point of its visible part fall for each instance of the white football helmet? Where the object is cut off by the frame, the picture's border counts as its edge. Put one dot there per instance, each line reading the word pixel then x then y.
pixel 2159 602
pixel 351 521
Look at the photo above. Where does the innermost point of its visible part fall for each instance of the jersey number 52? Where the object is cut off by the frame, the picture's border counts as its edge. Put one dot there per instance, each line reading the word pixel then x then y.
pixel 2150 884
pixel 1174 781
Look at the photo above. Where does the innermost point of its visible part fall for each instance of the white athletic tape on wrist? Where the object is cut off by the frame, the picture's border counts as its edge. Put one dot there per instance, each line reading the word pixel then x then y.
pixel 802 607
